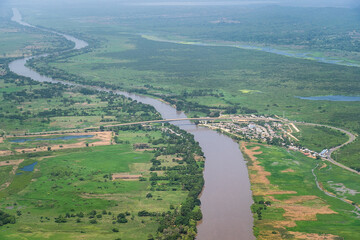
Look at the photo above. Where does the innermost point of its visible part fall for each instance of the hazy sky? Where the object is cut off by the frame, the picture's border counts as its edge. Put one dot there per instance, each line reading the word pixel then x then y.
pixel 313 3
pixel 308 3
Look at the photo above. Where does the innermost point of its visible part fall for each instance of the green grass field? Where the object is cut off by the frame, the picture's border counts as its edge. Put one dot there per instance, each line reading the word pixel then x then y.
pixel 319 138
pixel 74 181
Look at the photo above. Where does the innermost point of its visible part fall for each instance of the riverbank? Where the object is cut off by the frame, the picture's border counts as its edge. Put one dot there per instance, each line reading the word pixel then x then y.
pixel 288 203
pixel 231 219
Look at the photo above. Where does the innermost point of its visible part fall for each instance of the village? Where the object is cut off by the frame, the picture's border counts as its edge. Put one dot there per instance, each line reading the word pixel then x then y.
pixel 274 131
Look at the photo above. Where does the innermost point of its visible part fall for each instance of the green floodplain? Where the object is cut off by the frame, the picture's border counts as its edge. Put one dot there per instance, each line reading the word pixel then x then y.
pixel 69 195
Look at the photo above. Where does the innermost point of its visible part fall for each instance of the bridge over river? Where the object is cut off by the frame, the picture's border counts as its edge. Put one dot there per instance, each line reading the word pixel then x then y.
pixel 237 119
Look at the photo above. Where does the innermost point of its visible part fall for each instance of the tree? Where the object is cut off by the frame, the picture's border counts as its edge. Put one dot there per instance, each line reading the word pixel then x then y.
pixel 93 221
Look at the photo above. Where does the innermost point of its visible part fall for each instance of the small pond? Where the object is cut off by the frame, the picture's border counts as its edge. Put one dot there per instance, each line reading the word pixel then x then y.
pixel 28 168
pixel 21 140
pixel 335 98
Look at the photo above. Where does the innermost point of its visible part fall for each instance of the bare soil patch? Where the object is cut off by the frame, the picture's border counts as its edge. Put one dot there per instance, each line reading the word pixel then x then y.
pixel 5 153
pixel 323 166
pixel 287 170
pixel 126 177
pixel 300 208
pixel 145 149
pixel 314 236
pixel 11 162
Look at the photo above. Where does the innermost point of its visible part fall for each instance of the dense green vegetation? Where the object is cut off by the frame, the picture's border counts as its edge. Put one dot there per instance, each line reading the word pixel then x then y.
pixel 75 188
pixel 30 106
pixel 6 218
pixel 349 155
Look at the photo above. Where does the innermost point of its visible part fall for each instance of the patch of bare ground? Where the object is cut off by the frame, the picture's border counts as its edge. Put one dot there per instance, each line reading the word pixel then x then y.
pixel 269 235
pixel 258 176
pixel 145 149
pixel 296 208
pixel 287 170
pixel 5 153
pixel 199 158
pixel 102 196
pixel 314 236
pixel 125 176
pixel 323 166
pixel 11 162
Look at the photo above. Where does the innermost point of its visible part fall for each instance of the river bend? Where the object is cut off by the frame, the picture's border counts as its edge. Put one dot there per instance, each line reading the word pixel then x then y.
pixel 226 198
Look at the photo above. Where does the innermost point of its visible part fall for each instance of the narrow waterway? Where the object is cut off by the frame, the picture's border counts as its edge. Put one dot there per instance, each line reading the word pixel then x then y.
pixel 226 198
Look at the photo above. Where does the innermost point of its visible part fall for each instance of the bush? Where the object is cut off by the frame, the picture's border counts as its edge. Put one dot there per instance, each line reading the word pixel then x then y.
pixel 93 221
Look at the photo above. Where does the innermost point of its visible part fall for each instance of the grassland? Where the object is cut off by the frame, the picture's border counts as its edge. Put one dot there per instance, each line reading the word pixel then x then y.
pixel 70 184
pixel 176 72
pixel 319 138
pixel 296 207
pixel 188 77
pixel 32 107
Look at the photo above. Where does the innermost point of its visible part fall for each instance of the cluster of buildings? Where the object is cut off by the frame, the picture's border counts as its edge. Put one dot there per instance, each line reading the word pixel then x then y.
pixel 263 129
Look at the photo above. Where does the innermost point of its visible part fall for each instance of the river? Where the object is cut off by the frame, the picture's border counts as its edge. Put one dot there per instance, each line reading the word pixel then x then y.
pixel 226 198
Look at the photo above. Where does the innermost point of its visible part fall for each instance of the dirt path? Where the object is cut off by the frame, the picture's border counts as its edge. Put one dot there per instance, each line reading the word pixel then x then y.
pixel 321 187
pixel 352 138
pixel 295 128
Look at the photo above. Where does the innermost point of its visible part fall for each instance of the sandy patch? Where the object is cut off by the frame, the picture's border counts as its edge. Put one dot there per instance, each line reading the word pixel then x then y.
pixel 126 177
pixel 300 199
pixel 11 162
pixel 1 139
pixel 269 192
pixel 287 170
pixel 323 166
pixel 145 149
pixel 300 208
pixel 5 153
pixel 305 213
pixel 261 175
pixel 199 158
pixel 314 236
